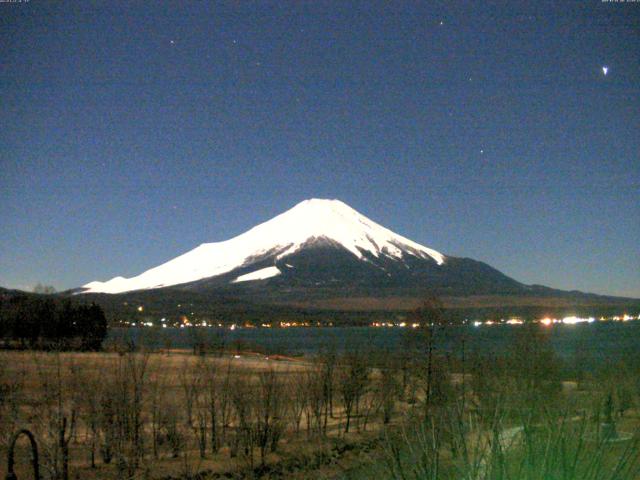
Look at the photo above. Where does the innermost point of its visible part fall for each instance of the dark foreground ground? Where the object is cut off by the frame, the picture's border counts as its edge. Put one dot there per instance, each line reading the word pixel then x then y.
pixel 524 409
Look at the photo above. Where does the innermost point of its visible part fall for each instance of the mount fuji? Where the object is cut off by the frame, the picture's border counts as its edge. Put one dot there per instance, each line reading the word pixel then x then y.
pixel 323 258
pixel 316 245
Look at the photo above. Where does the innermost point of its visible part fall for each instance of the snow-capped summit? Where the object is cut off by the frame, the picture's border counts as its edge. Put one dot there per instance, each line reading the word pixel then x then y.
pixel 308 223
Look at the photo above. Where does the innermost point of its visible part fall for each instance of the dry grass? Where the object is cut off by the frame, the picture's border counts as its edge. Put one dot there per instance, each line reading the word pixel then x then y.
pixel 48 386
pixel 469 409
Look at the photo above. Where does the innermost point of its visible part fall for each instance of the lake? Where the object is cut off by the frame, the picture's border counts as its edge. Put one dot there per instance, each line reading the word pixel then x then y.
pixel 598 341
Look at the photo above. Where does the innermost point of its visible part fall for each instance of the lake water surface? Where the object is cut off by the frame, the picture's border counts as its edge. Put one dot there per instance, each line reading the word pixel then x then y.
pixel 599 340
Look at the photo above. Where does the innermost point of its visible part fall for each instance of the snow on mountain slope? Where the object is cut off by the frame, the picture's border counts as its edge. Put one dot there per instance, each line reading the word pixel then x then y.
pixel 284 234
pixel 261 274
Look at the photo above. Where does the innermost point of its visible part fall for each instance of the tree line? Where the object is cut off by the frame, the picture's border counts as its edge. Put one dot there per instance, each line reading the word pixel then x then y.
pixel 37 322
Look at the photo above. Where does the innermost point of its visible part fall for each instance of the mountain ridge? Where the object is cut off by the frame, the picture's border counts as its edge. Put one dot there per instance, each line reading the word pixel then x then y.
pixel 310 222
pixel 323 255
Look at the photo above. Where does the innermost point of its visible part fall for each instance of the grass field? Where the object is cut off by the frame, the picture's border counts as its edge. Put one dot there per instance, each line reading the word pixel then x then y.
pixel 386 415
pixel 155 412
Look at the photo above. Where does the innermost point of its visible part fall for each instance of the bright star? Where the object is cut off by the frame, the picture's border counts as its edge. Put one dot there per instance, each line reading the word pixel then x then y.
pixel 605 70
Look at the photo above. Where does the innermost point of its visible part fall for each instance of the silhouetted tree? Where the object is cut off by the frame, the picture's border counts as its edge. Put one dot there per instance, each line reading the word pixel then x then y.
pixel 430 316
pixel 44 289
pixel 93 327
pixel 35 322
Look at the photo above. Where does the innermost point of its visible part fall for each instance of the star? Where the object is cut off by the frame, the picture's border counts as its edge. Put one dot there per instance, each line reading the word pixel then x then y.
pixel 605 69
pixel 441 22
pixel 172 42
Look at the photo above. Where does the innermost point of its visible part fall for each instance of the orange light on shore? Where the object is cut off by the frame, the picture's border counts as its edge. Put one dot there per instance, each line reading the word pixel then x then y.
pixel 546 321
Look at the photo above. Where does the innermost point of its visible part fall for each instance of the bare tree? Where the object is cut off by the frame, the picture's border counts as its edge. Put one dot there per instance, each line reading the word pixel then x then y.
pixel 171 428
pixel 11 386
pixel 269 412
pixel 243 410
pixel 387 389
pixel 58 414
pixel 202 406
pixel 225 403
pixel 316 401
pixel 157 401
pixel 353 377
pixel 430 316
pixel 188 383
pixel 86 390
pixel 299 397
pixel 212 400
pixel 122 407
pixel 328 360
pixel 192 381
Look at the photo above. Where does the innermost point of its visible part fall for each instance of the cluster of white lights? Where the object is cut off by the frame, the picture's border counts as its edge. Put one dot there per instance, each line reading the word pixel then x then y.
pixel 573 320
pixel 391 324
pixel 569 320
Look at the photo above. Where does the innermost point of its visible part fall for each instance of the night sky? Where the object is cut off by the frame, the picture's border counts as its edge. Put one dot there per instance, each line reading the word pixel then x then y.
pixel 133 131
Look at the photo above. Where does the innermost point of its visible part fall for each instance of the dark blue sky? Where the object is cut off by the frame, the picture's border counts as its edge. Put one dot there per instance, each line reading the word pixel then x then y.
pixel 134 131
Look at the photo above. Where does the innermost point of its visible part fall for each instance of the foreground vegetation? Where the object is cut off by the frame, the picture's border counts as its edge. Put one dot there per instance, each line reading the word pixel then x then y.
pixel 523 416
pixel 416 413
